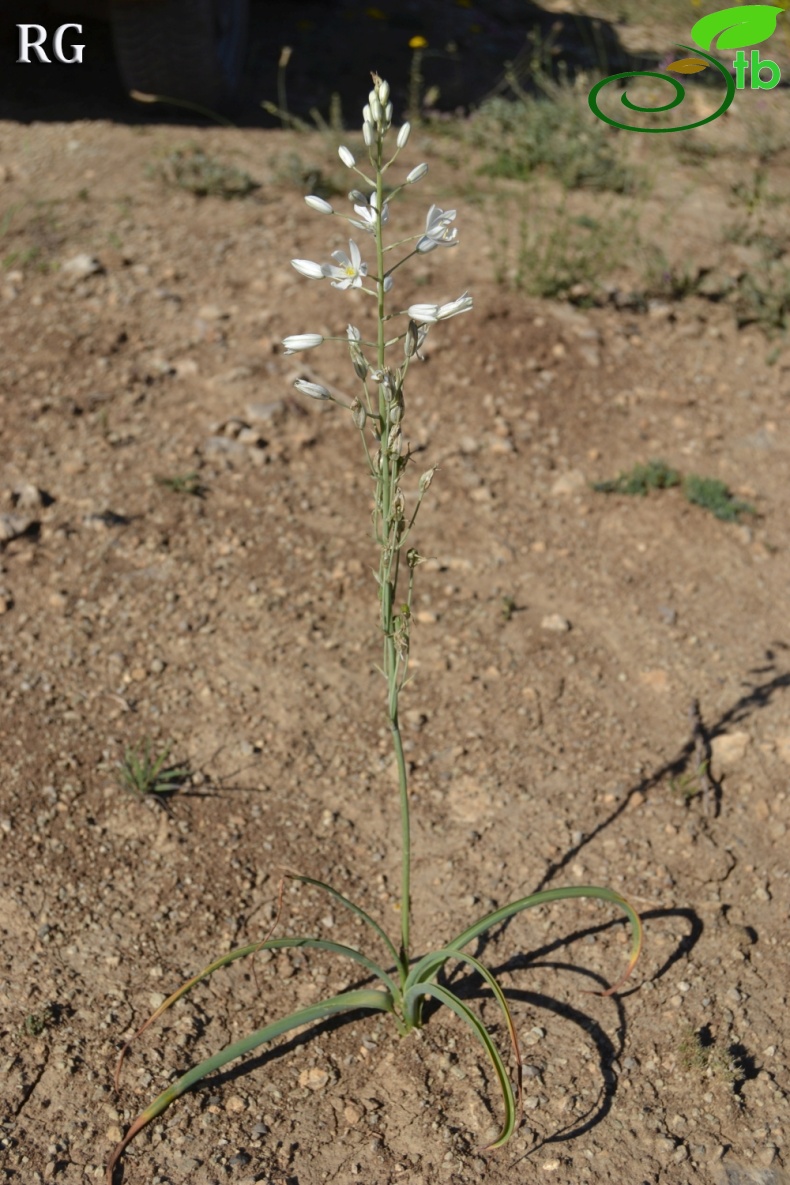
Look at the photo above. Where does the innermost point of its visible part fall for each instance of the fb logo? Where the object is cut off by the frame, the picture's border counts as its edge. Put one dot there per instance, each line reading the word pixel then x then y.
pixel 33 37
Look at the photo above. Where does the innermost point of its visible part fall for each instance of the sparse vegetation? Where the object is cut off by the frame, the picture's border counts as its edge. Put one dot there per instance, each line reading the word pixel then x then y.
pixel 146 776
pixel 205 176
pixel 708 492
pixel 183 483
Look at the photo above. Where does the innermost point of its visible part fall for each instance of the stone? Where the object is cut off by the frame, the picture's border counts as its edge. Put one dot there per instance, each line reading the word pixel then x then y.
pixel 572 482
pixel 730 748
pixel 555 623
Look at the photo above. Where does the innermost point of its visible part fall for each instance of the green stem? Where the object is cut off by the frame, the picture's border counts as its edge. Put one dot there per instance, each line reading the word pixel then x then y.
pixel 388 572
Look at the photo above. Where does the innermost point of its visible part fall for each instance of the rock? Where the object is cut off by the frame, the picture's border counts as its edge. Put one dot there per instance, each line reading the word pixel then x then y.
pixel 572 482
pixel 314 1078
pixel 30 497
pixel 658 679
pixel 730 748
pixel 14 525
pixel 223 444
pixel 783 748
pixel 556 623
pixel 79 268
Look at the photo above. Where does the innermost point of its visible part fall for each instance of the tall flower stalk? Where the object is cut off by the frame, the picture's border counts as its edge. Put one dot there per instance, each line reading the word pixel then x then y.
pixel 381 364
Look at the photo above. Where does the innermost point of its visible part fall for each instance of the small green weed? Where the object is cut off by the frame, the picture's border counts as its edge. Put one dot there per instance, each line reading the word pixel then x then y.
pixel 144 775
pixel 691 785
pixel 655 475
pixel 698 1053
pixel 183 483
pixel 715 497
pixel 707 492
pixel 35 1023
pixel 205 176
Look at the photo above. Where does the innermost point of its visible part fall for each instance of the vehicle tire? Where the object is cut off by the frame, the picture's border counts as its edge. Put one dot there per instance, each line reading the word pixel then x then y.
pixel 182 49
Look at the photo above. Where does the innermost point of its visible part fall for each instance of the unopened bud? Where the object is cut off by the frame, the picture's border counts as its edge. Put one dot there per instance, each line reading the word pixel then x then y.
pixel 388 114
pixel 417 172
pixel 384 91
pixel 426 479
pixel 396 412
pixel 358 414
pixel 376 110
pixel 366 114
pixel 368 133
pixel 403 135
pixel 372 98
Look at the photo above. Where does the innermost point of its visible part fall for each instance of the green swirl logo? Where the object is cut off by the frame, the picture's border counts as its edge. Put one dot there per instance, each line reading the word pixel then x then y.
pixel 735 28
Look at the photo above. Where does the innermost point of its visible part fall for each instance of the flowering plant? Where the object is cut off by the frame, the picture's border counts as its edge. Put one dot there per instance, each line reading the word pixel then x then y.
pixel 405 981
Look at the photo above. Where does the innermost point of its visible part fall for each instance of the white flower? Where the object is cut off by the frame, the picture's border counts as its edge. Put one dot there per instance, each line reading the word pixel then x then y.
pixel 427 314
pixel 317 203
pixel 368 133
pixel 423 314
pixel 367 213
pixel 403 135
pixel 306 267
pixel 348 272
pixel 418 170
pixel 346 157
pixel 314 390
pixel 388 282
pixel 462 305
pixel 302 341
pixel 437 230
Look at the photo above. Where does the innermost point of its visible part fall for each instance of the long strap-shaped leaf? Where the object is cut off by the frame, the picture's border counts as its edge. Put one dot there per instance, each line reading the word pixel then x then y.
pixel 478 1028
pixel 430 964
pixel 251 949
pixel 357 909
pixel 543 898
pixel 346 1002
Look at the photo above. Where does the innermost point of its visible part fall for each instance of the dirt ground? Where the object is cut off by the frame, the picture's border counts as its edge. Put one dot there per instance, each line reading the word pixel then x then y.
pixel 240 626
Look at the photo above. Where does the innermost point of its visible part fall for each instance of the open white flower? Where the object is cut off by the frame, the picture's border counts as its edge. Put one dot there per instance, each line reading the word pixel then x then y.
pixel 367 213
pixel 428 314
pixel 302 341
pixel 346 272
pixel 437 230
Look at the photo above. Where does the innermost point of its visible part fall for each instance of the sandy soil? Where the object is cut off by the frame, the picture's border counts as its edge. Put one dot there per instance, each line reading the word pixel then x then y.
pixel 240 626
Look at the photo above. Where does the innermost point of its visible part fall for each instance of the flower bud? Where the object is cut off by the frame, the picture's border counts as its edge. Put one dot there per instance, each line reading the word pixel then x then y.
pixel 403 135
pixel 372 98
pixel 426 479
pixel 388 114
pixel 358 414
pixel 396 412
pixel 376 110
pixel 368 133
pixel 314 390
pixel 384 91
pixel 302 341
pixel 417 172
pixel 346 157
pixel 357 197
pixel 366 114
pixel 306 267
pixel 317 203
